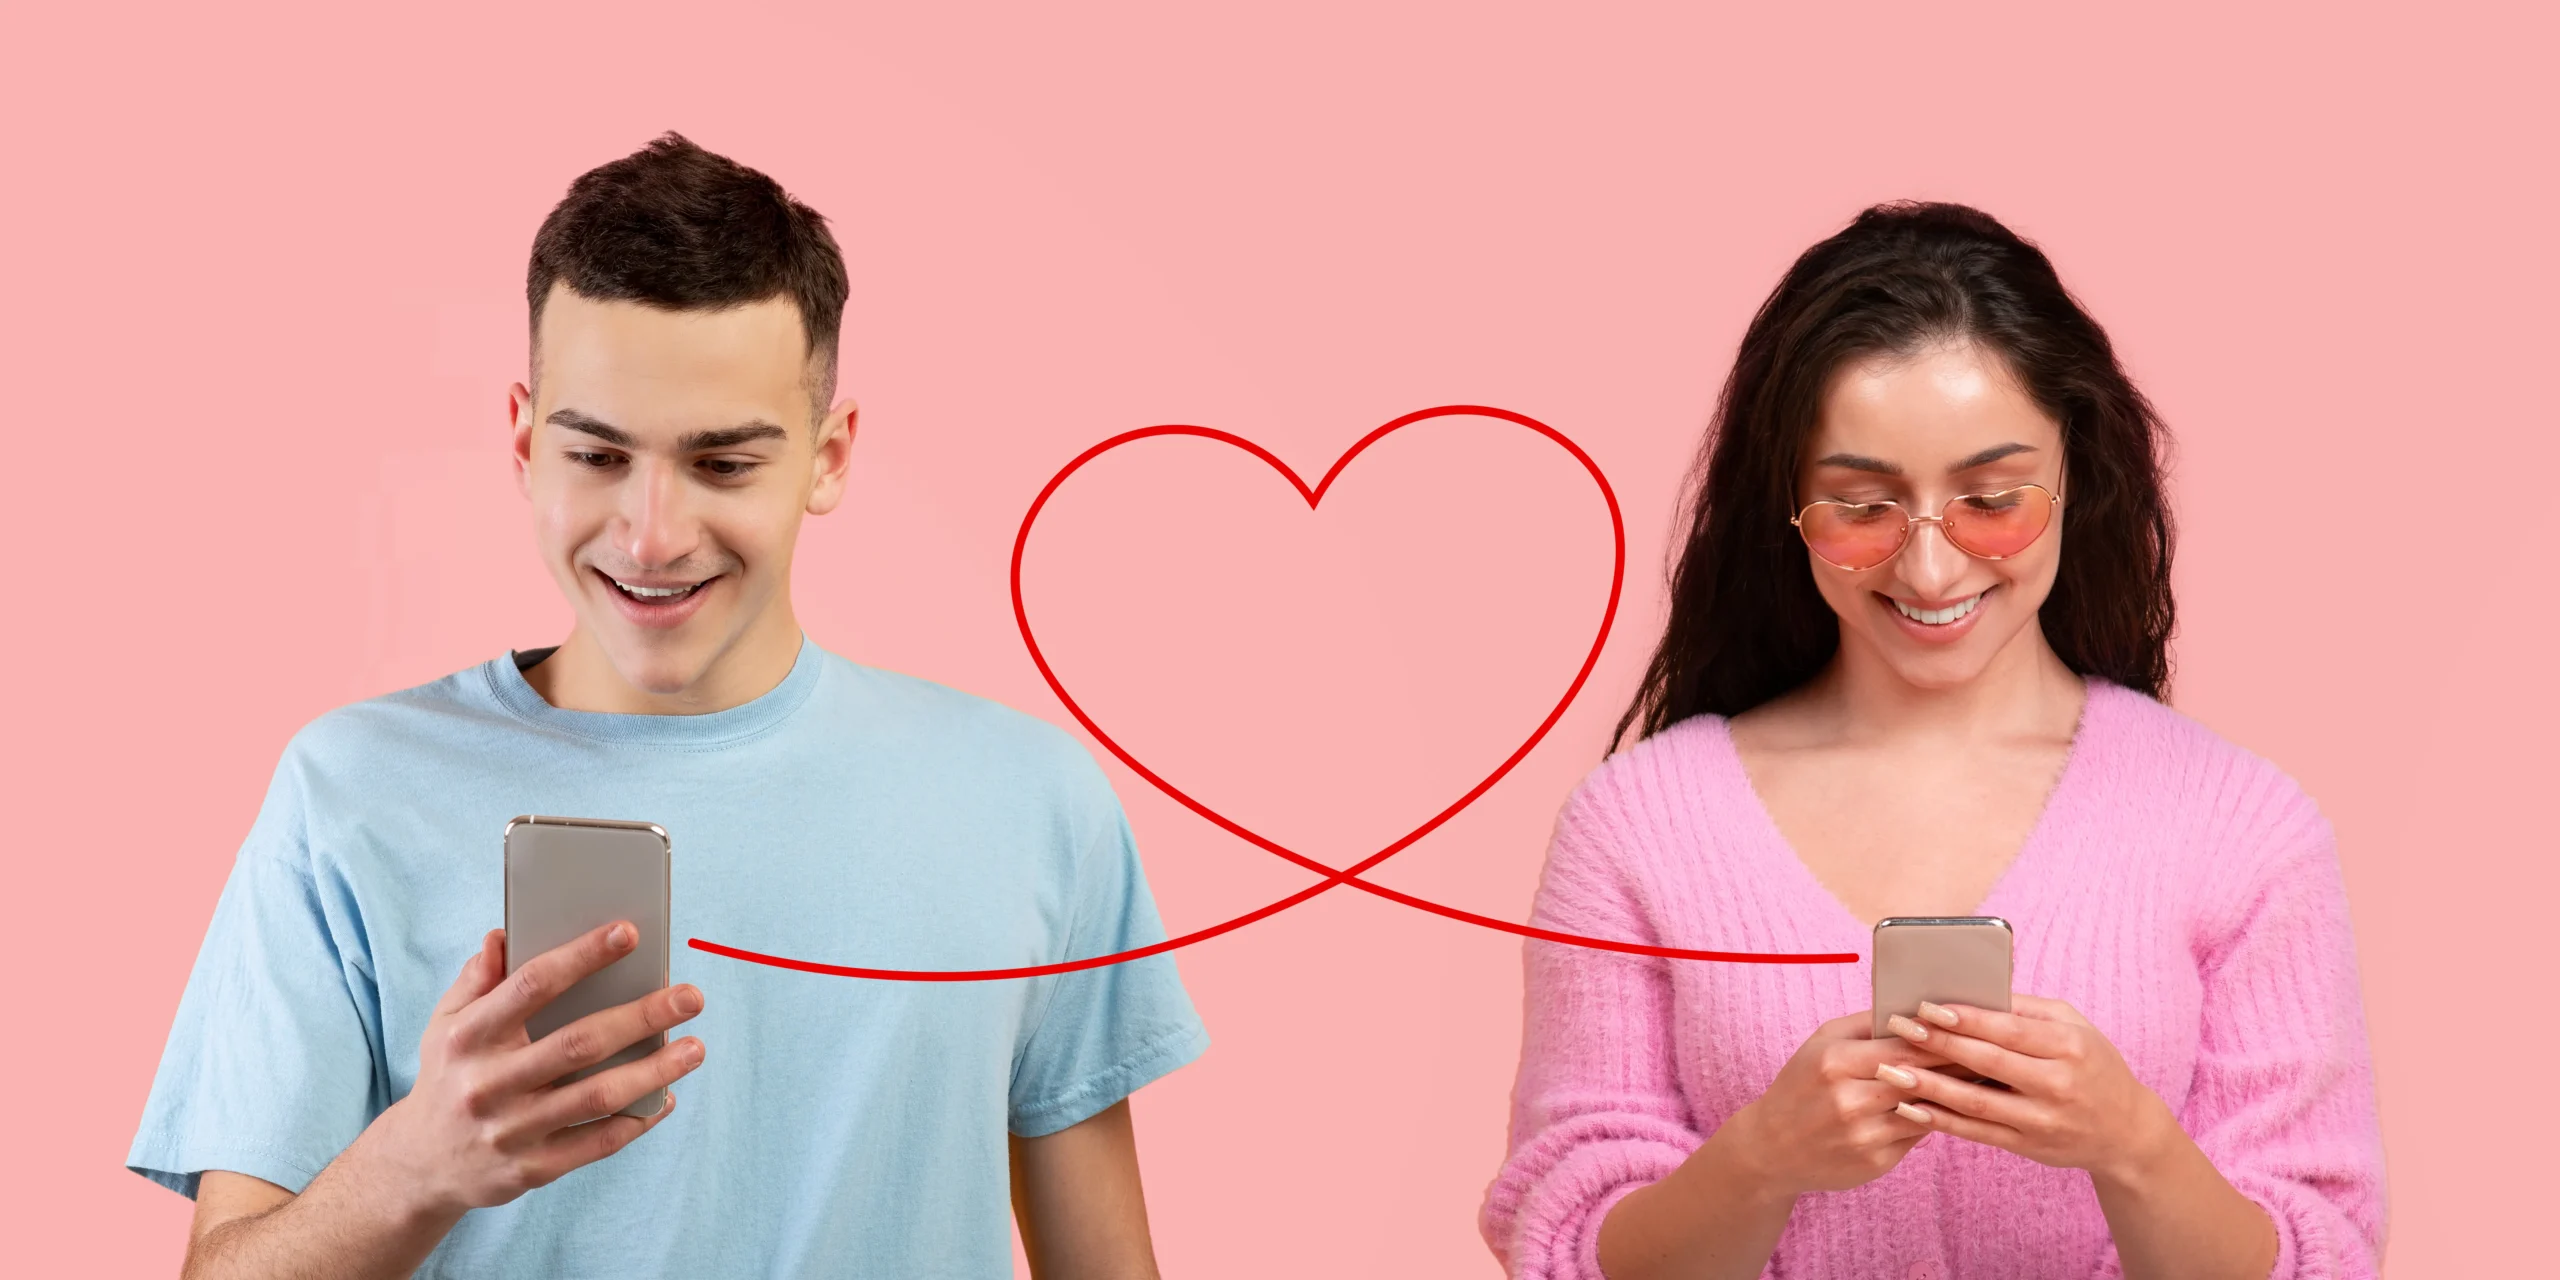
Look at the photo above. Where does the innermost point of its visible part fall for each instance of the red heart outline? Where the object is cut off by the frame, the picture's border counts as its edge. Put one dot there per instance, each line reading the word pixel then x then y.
pixel 1332 876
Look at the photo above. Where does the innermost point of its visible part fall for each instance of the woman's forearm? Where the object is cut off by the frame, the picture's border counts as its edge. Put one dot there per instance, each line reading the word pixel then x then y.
pixel 2174 1215
pixel 1712 1219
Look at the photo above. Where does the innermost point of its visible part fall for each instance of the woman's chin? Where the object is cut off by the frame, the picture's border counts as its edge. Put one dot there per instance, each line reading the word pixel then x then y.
pixel 1936 668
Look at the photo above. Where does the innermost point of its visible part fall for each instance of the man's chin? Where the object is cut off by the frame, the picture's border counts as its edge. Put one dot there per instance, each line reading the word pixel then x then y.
pixel 659 666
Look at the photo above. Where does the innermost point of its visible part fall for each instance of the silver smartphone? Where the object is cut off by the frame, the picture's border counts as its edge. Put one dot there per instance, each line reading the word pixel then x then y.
pixel 1940 959
pixel 566 876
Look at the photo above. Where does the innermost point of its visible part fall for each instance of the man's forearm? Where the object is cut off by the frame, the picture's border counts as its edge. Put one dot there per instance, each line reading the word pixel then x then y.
pixel 347 1225
pixel 1079 1203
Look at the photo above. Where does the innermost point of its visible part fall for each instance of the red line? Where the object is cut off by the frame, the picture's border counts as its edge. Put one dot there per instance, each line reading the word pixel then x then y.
pixel 1332 876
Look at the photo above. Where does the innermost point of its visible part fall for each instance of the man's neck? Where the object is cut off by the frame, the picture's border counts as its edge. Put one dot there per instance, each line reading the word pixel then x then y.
pixel 578 676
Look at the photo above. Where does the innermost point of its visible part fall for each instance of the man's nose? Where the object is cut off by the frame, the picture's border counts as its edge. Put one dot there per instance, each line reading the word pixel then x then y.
pixel 658 526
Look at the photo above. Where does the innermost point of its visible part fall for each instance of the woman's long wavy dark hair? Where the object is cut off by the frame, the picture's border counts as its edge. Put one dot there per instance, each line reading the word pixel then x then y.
pixel 1747 622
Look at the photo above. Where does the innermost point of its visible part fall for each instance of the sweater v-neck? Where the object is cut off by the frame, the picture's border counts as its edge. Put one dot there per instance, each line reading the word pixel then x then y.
pixel 2015 877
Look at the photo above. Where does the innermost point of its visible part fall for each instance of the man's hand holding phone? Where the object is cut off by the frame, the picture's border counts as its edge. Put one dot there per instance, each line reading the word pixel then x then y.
pixel 485 1122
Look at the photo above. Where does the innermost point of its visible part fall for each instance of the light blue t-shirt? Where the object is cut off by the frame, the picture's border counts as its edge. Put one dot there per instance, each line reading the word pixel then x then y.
pixel 837 1127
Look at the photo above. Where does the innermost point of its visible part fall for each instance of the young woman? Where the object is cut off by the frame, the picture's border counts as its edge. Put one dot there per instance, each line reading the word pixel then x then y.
pixel 1891 685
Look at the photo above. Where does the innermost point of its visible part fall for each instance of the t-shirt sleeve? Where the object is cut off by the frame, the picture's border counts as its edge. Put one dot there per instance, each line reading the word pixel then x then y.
pixel 1097 1035
pixel 272 1065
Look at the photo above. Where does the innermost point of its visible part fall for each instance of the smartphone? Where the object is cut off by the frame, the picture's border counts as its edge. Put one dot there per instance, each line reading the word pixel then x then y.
pixel 1940 959
pixel 566 876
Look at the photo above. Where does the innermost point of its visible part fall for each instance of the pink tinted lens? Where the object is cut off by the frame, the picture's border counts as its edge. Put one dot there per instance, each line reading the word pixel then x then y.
pixel 1854 536
pixel 1998 525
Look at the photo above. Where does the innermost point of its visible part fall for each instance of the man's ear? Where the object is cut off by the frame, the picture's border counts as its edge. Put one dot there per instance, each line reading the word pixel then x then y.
pixel 835 456
pixel 520 421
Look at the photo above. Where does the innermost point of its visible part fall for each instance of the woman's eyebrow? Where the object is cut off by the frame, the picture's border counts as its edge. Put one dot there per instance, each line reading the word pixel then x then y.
pixel 1990 455
pixel 1982 457
pixel 1860 462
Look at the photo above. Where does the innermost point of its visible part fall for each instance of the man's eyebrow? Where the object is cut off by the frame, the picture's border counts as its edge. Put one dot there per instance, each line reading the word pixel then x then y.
pixel 689 442
pixel 601 430
pixel 728 437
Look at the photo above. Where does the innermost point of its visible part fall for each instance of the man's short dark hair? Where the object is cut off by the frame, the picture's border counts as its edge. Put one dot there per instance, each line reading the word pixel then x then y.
pixel 674 226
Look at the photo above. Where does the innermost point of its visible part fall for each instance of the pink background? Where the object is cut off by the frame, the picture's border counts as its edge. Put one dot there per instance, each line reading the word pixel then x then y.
pixel 265 287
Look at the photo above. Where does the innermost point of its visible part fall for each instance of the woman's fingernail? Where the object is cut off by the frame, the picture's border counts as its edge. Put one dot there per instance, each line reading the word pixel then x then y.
pixel 1906 1028
pixel 1938 1013
pixel 1896 1076
pixel 1915 1114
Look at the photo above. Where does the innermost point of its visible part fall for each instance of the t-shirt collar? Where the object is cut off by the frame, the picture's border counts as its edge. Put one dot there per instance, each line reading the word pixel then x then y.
pixel 518 697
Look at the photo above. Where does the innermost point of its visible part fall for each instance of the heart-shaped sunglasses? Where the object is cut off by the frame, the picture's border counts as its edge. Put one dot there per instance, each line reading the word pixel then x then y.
pixel 1986 526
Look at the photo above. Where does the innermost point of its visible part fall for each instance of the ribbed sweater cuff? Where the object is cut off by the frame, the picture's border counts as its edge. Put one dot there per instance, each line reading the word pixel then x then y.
pixel 1558 1225
pixel 2314 1241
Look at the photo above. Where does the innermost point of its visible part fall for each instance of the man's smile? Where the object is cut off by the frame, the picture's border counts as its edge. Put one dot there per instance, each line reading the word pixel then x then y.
pixel 657 603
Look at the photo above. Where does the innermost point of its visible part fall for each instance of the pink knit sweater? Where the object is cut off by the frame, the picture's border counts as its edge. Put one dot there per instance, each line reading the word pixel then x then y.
pixel 2180 892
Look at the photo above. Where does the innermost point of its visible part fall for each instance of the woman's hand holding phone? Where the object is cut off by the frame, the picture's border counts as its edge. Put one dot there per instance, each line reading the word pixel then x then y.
pixel 1827 1122
pixel 485 1123
pixel 2071 1101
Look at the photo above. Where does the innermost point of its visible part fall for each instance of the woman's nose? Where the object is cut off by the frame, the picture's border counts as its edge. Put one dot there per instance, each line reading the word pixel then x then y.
pixel 1931 565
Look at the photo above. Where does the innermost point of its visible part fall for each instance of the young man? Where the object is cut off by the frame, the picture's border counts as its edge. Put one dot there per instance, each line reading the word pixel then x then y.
pixel 341 1104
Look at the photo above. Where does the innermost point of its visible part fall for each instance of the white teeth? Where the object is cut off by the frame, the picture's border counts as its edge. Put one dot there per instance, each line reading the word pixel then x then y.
pixel 653 593
pixel 1939 617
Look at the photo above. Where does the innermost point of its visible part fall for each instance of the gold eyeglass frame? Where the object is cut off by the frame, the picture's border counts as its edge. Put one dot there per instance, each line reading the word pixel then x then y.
pixel 1911 523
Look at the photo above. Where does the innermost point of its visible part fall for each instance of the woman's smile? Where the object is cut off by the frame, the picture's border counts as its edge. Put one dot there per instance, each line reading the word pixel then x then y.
pixel 1937 623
